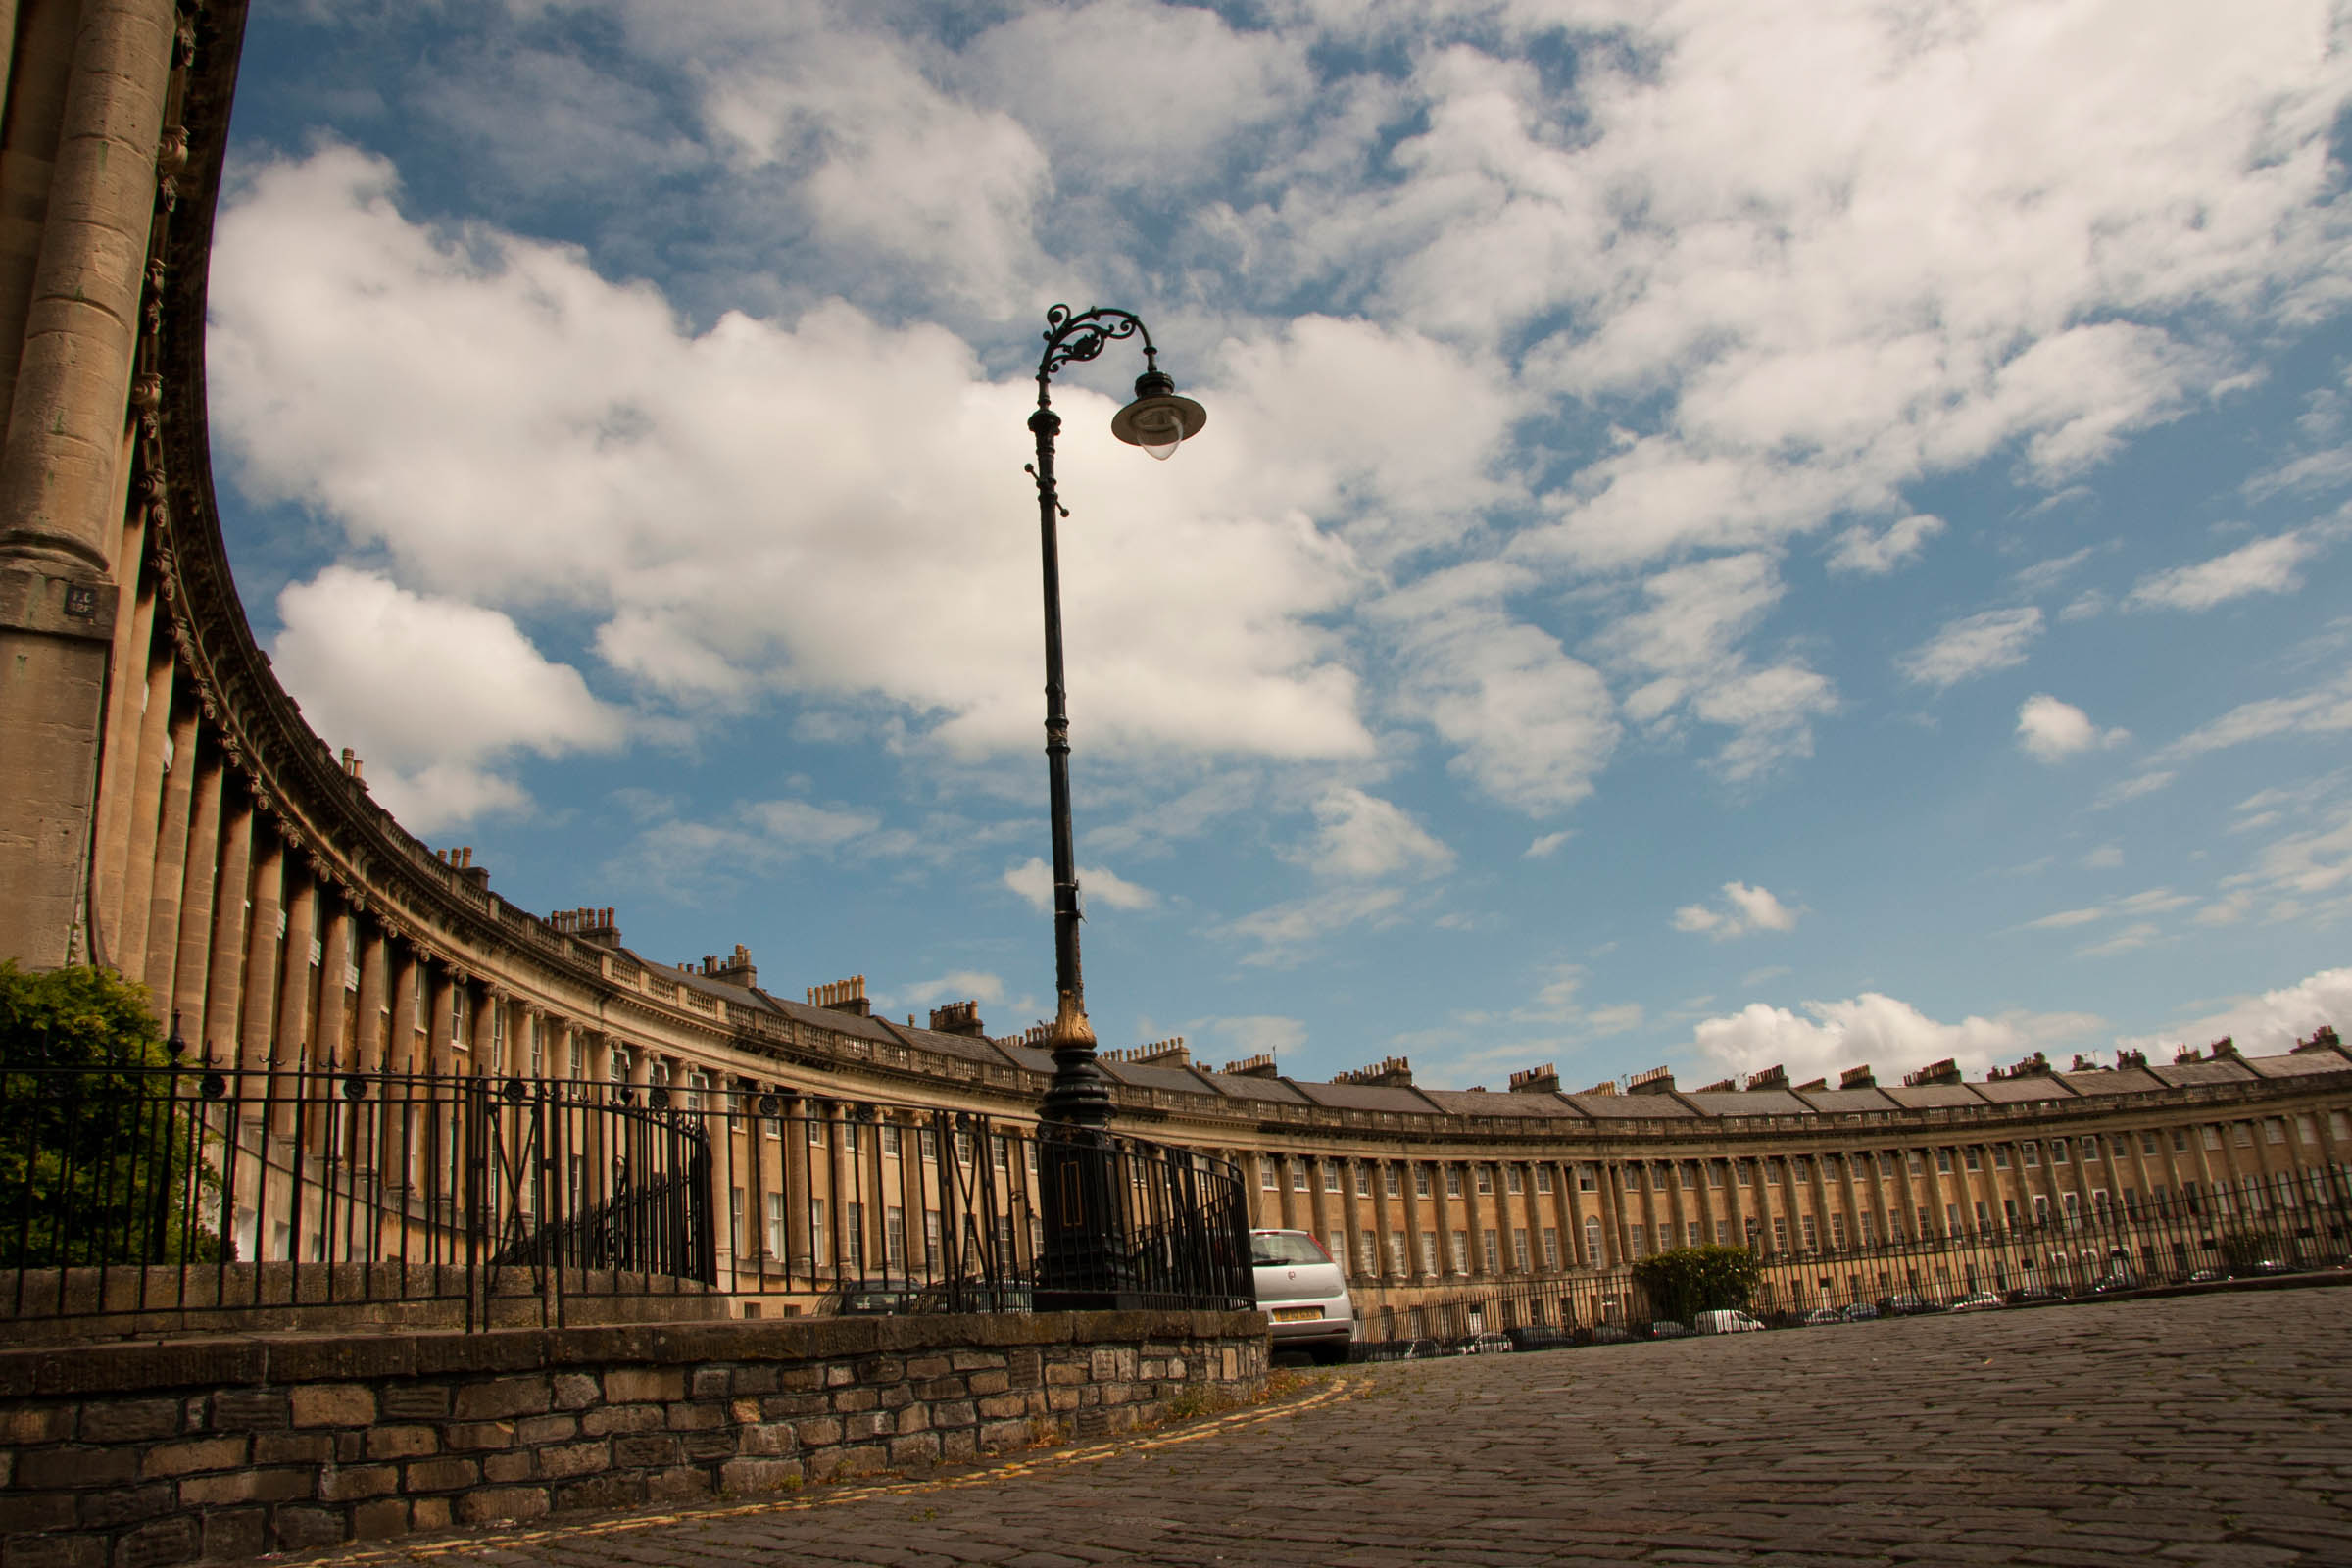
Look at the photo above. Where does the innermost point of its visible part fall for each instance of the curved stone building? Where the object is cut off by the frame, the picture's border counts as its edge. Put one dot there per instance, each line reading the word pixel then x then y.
pixel 164 809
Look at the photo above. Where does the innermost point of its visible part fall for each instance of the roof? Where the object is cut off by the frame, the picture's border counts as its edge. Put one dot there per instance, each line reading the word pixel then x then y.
pixel 2111 1081
pixel 2300 1064
pixel 1235 1086
pixel 1631 1107
pixel 2017 1091
pixel 1147 1075
pixel 2201 1073
pixel 1367 1096
pixel 1844 1101
pixel 1930 1097
pixel 1745 1102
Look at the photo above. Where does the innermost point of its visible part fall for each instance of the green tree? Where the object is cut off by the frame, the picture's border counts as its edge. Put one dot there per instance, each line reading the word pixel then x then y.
pixel 1689 1280
pixel 99 1155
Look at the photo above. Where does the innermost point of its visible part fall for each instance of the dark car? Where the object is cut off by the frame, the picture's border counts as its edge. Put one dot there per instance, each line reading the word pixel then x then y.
pixel 1538 1337
pixel 1906 1304
pixel 2035 1295
pixel 1604 1333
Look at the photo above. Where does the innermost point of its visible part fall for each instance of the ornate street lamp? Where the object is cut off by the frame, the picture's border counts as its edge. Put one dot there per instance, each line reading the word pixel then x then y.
pixel 1088 1257
pixel 1158 422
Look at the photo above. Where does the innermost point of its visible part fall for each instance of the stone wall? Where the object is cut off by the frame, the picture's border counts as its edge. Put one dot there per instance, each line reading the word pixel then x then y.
pixel 127 1455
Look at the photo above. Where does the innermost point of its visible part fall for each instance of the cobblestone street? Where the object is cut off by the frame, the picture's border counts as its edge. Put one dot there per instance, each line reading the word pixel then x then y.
pixel 2211 1430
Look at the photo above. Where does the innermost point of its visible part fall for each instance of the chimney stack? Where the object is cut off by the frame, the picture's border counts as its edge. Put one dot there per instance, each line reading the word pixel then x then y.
pixel 843 996
pixel 1543 1080
pixel 1389 1073
pixel 958 1018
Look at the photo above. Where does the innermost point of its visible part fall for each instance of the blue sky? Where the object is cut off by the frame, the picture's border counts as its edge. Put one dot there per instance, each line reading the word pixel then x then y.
pixel 1726 533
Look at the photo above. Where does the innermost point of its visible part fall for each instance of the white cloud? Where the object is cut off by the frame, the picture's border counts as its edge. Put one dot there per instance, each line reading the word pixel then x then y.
pixel 1283 935
pixel 2051 731
pixel 2265 566
pixel 2150 901
pixel 2265 1024
pixel 1363 836
pixel 512 427
pixel 684 858
pixel 1972 646
pixel 2131 939
pixel 1033 880
pixel 2106 857
pixel 1748 910
pixel 1891 1035
pixel 438 697
pixel 1873 555
pixel 1531 725
pixel 2325 710
pixel 1545 845
pixel 958 984
pixel 1250 1035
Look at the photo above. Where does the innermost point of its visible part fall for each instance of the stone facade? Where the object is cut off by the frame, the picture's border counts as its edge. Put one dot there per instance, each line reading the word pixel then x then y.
pixel 139 1455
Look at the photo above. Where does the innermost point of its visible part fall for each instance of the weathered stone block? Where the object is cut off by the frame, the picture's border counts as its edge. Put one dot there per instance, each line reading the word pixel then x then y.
pixel 166 1541
pixel 505 1467
pixel 821 1433
pixel 380 1520
pixel 603 1493
pixel 540 1429
pixel 767 1439
pixel 881 1369
pixel 503 1397
pixel 191 1454
pixel 429 1513
pixel 333 1404
pixel 498 1503
pixel 894 1396
pixel 246 1411
pixel 354 1482
pixel 711 1382
pixel 754 1379
pixel 1000 1406
pixel 28 1511
pixel 76 1467
pixel 849 1400
pixel 960 1448
pixel 247 1485
pixel 919 1367
pixel 575 1391
pixel 54 1551
pixel 440 1475
pixel 865 1426
pixel 562 1462
pixel 1002 1435
pixel 678 1484
pixel 298 1527
pixel 1117 1392
pixel 785 1405
pixel 631 1385
pixel 414 1401
pixel 1061 1400
pixel 703 1448
pixel 623 1418
pixel 758 1475
pixel 233 1533
pixel 129 1420
pixel 840 1377
pixel 693 1417
pixel 645 1450
pixel 953 1414
pixel 990 1382
pixel 27 1425
pixel 916 1448
pixel 974 1361
pixel 1026 1369
pixel 1062 1374
pixel 801 1379
pixel 463 1435
pixel 110 1507
pixel 401 1443
pixel 914 1418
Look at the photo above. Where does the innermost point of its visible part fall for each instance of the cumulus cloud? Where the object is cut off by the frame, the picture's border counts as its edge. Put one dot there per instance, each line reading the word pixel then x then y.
pixel 1873 555
pixel 1033 880
pixel 2263 1024
pixel 2051 731
pixel 1893 1037
pixel 439 697
pixel 2321 710
pixel 2265 566
pixel 1282 936
pixel 1363 836
pixel 1545 845
pixel 1972 646
pixel 1746 910
pixel 1252 1034
pixel 957 985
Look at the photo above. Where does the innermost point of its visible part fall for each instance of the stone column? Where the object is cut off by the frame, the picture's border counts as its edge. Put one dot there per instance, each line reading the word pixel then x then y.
pixel 233 887
pixel 332 1031
pixel 170 865
pixel 152 741
pixel 61 510
pixel 373 1049
pixel 258 1035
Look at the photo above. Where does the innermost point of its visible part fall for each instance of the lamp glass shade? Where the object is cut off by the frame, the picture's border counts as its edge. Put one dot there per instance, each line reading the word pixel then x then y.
pixel 1158 425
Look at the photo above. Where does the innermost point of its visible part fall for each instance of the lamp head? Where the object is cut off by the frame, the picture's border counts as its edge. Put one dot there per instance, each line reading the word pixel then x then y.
pixel 1158 420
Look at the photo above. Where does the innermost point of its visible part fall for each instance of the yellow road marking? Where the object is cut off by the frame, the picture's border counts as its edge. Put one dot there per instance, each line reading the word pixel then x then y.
pixel 1340 1387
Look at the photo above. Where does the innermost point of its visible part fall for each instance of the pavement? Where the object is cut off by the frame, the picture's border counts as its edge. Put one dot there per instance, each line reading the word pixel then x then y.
pixel 2210 1430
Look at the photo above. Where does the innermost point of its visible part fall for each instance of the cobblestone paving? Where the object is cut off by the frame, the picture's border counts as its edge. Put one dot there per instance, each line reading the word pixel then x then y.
pixel 2211 1430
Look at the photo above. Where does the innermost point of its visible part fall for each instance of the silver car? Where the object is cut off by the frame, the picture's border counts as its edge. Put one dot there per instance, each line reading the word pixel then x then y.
pixel 1303 1294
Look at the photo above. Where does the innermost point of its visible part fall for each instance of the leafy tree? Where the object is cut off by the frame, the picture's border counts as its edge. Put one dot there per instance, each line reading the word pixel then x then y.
pixel 99 1161
pixel 1689 1280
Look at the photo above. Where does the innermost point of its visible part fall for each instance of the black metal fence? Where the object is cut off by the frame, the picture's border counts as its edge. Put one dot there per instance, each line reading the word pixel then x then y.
pixel 160 1198
pixel 2281 1223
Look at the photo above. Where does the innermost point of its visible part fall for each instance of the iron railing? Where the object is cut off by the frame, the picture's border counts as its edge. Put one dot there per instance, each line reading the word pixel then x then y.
pixel 145 1199
pixel 2281 1222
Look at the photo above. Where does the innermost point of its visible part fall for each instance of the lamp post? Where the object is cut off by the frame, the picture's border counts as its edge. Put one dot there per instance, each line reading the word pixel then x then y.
pixel 1158 420
pixel 1085 1261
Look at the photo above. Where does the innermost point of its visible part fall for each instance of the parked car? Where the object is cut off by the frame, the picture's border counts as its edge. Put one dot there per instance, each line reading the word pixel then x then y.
pixel 1303 1294
pixel 1822 1317
pixel 1538 1337
pixel 1861 1312
pixel 1487 1345
pixel 1667 1328
pixel 2203 1276
pixel 1732 1321
pixel 2035 1295
pixel 1979 1301
pixel 1604 1333
pixel 1904 1303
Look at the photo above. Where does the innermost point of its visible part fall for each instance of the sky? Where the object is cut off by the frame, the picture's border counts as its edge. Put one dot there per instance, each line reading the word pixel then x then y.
pixel 1728 533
